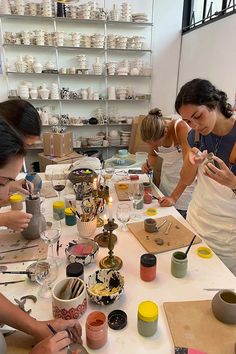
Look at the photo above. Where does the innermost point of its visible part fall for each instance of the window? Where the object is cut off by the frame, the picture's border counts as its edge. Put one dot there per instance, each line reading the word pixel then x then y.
pixel 200 12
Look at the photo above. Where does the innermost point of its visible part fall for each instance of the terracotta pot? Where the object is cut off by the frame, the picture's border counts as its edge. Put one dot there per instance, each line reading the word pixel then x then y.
pixel 224 306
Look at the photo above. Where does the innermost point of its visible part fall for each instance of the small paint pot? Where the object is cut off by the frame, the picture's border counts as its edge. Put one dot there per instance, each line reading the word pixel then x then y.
pixel 147 198
pixel 96 330
pixel 148 267
pixel 147 318
pixel 150 225
pixel 179 264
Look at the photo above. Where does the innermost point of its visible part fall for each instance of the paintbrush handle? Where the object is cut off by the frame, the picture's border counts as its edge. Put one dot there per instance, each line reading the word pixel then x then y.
pixel 16 272
pixel 190 245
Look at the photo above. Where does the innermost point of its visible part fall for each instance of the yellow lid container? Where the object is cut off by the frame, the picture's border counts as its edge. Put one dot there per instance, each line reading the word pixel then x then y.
pixel 68 212
pixel 148 311
pixel 14 198
pixel 58 205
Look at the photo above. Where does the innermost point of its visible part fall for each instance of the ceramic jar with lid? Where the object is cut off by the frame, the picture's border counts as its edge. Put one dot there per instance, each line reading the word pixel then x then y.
pixel 16 201
pixel 70 217
pixel 148 267
pixel 58 210
pixel 147 318
pixel 96 330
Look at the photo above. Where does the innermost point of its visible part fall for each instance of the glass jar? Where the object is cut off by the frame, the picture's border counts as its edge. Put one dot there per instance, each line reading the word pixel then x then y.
pixel 16 201
pixel 70 218
pixel 147 318
pixel 96 330
pixel 148 267
pixel 58 210
pixel 70 201
pixel 179 264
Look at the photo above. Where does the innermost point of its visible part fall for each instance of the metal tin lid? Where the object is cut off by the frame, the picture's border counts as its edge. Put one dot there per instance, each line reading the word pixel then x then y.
pixel 148 311
pixel 117 319
pixel 74 270
pixel 148 260
pixel 14 198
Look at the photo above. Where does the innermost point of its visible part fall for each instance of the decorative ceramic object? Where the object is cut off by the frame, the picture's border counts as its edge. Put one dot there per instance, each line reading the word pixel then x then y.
pixel 37 67
pixel 224 306
pixel 37 223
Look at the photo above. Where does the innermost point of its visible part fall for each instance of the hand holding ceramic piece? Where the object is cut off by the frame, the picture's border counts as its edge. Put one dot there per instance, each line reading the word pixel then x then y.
pixel 224 306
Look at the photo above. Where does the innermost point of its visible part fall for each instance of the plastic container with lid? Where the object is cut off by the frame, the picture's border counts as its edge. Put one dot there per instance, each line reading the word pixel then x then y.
pixel 75 270
pixel 148 267
pixel 147 318
pixel 58 210
pixel 70 217
pixel 96 330
pixel 16 201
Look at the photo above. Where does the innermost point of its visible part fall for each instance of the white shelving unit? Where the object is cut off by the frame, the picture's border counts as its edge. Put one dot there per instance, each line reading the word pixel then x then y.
pixel 66 56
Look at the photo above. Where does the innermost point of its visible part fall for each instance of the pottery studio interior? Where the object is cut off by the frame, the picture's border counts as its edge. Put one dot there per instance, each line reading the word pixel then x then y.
pixel 117 177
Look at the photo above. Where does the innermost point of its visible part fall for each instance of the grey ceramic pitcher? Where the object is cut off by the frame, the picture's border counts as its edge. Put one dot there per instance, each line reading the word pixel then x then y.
pixel 37 223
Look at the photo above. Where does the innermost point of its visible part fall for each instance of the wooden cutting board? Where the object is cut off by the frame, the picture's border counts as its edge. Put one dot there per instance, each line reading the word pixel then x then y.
pixel 14 241
pixel 193 325
pixel 122 191
pixel 19 343
pixel 178 236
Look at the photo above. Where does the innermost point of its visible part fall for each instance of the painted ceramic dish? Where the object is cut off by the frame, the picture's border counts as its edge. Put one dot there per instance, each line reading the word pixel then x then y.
pixel 82 175
pixel 105 286
pixel 84 251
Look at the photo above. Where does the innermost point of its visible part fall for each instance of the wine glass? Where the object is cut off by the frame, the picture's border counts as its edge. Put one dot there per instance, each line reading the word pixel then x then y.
pixel 51 236
pixel 135 193
pixel 46 272
pixel 58 184
pixel 123 214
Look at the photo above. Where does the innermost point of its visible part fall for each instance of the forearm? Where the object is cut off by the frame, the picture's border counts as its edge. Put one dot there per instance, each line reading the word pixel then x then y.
pixel 152 159
pixel 188 172
pixel 3 219
pixel 180 187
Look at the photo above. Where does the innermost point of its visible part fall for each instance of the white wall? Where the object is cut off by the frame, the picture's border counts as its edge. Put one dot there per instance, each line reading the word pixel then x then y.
pixel 210 52
pixel 166 51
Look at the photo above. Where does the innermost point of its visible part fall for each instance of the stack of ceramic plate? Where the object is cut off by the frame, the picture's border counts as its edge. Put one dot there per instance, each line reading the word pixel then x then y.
pixel 95 140
pixel 124 137
pixel 140 17
pixel 125 12
pixel 114 141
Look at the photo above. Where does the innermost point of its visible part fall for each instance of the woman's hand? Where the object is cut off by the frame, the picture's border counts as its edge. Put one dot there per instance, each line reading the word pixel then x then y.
pixel 73 327
pixel 196 157
pixel 222 175
pixel 146 167
pixel 15 220
pixel 166 201
pixel 53 345
pixel 20 186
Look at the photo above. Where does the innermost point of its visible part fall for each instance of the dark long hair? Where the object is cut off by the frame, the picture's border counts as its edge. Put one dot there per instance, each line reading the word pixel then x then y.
pixel 22 115
pixel 11 143
pixel 202 92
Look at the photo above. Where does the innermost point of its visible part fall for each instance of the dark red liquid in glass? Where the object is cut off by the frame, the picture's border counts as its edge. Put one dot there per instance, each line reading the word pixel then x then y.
pixel 59 187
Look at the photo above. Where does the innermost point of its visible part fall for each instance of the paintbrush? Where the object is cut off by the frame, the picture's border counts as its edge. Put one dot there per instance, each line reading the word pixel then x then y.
pixel 16 272
pixel 74 211
pixel 12 282
pixel 190 245
pixel 19 249
pixel 28 187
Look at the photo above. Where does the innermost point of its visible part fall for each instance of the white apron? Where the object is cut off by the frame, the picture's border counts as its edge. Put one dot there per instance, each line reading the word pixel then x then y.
pixel 212 213
pixel 170 174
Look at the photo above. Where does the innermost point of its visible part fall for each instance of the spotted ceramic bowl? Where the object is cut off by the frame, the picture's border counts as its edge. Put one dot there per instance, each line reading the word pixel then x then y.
pixel 105 286
pixel 82 251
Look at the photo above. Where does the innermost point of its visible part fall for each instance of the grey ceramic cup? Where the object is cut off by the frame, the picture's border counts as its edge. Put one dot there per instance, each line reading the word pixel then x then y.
pixel 224 306
pixel 179 264
pixel 150 225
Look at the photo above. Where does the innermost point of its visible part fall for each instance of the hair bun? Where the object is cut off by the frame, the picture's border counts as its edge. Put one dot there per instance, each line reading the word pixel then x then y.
pixel 155 112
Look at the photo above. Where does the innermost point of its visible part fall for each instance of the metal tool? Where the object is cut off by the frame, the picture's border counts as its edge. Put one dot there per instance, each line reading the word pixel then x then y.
pixel 162 224
pixel 11 282
pixel 215 289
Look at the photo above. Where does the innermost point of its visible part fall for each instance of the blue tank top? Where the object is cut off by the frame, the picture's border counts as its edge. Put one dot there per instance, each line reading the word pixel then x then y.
pixel 221 146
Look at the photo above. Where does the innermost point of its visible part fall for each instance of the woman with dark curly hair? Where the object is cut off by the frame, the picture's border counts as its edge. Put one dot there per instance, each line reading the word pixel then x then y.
pixel 212 210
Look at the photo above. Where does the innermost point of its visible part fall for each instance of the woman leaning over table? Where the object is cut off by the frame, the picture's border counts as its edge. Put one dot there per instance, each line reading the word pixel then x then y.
pixel 212 211
pixel 12 152
pixel 24 118
pixel 168 139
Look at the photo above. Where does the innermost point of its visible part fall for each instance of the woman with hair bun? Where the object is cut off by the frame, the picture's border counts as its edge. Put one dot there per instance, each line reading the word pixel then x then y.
pixel 168 140
pixel 212 211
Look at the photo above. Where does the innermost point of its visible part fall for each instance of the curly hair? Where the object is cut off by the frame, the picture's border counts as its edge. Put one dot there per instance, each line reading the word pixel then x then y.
pixel 152 126
pixel 203 92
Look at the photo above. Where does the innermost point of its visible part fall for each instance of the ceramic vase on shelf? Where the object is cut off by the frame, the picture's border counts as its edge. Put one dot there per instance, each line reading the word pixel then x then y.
pixel 37 223
pixel 44 92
